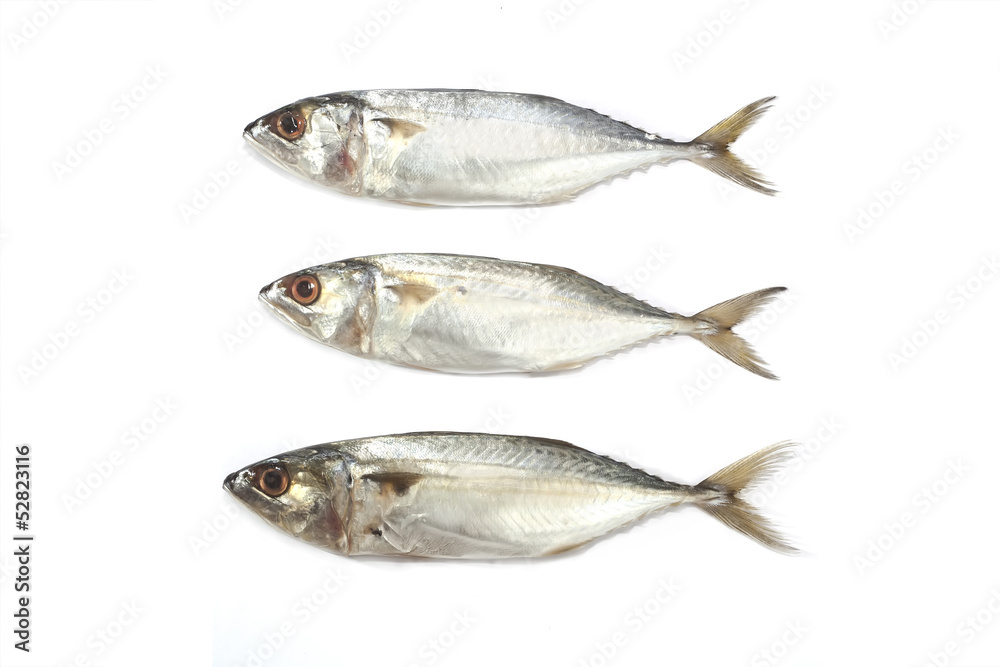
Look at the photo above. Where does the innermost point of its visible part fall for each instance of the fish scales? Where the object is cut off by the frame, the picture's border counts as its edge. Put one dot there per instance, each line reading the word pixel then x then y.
pixel 513 280
pixel 554 485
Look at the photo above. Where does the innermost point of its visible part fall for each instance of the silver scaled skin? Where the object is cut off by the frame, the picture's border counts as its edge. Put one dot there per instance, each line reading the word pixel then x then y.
pixel 476 148
pixel 464 314
pixel 471 495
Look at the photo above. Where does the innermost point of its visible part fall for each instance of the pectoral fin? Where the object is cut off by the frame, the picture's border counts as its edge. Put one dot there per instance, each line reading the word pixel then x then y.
pixel 394 483
pixel 399 129
pixel 562 269
pixel 411 295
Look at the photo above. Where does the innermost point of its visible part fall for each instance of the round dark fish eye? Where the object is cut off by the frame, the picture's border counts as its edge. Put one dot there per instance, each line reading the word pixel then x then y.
pixel 305 289
pixel 290 125
pixel 272 480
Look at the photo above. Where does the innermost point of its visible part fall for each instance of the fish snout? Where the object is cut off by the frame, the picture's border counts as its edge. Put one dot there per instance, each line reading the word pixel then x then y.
pixel 273 294
pixel 275 298
pixel 251 131
pixel 230 482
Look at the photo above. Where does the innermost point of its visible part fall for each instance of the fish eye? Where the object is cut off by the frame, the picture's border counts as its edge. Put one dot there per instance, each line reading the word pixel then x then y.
pixel 305 289
pixel 289 124
pixel 272 480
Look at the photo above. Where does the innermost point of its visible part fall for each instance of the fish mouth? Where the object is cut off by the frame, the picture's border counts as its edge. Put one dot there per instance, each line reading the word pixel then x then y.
pixel 250 137
pixel 268 145
pixel 230 483
pixel 274 301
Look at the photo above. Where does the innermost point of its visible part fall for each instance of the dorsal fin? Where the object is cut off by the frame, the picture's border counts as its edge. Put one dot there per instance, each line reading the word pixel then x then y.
pixel 546 441
pixel 563 269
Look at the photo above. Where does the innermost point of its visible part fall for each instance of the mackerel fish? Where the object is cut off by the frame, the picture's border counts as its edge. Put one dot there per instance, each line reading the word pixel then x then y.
pixel 477 148
pixel 465 314
pixel 477 495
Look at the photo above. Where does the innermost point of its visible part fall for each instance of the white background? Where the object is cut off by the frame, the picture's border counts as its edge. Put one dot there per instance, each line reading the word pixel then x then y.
pixel 891 576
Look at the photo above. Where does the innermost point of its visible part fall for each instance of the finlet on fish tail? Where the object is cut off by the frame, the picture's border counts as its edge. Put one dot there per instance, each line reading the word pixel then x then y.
pixel 717 157
pixel 719 495
pixel 720 336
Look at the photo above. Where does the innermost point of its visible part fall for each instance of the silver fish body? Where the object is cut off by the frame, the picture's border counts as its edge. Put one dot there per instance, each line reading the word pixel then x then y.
pixel 472 495
pixel 472 147
pixel 466 314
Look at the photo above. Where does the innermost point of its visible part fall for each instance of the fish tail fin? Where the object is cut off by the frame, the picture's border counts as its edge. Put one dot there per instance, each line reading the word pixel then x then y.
pixel 719 495
pixel 716 156
pixel 714 327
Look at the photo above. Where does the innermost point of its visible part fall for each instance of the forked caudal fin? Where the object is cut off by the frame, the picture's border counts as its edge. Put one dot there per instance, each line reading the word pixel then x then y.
pixel 722 493
pixel 717 156
pixel 722 317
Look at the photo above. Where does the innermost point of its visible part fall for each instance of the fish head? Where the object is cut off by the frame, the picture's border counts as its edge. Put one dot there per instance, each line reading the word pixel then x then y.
pixel 331 304
pixel 303 493
pixel 317 138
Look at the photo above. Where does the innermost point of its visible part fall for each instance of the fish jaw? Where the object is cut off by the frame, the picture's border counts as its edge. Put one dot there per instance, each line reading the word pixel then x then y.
pixel 275 298
pixel 240 486
pixel 264 142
